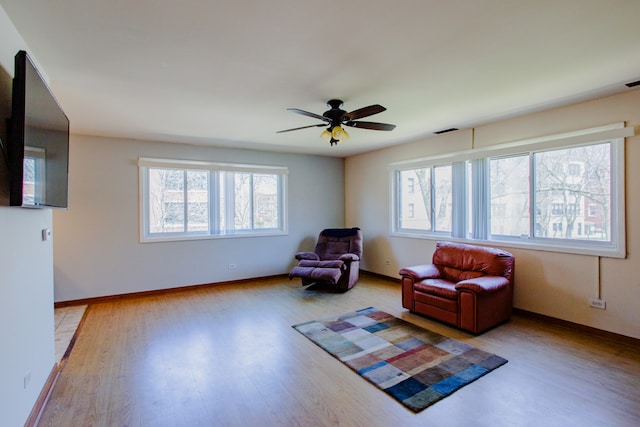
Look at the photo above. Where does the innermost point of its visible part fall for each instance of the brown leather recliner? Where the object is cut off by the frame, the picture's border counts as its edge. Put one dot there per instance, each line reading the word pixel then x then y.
pixel 335 260
pixel 467 286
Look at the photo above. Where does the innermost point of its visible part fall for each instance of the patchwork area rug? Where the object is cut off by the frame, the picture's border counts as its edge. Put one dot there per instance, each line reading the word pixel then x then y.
pixel 416 366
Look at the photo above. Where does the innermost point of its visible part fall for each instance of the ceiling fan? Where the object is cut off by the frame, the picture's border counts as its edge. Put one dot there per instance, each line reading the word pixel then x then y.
pixel 335 118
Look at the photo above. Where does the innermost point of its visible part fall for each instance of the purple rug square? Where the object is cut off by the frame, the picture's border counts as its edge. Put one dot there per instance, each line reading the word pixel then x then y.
pixel 340 326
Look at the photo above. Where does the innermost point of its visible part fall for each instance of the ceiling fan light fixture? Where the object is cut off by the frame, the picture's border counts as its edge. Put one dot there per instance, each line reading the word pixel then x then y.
pixel 339 134
pixel 334 118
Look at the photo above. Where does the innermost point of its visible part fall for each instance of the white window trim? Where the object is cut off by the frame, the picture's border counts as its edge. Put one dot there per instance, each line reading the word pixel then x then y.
pixel 614 133
pixel 197 164
pixel 567 139
pixel 149 162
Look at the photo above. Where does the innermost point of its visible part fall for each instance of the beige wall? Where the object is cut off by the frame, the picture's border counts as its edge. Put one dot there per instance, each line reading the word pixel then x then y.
pixel 97 251
pixel 549 283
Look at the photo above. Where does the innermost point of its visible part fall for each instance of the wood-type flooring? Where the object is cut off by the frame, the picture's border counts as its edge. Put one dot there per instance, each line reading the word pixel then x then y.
pixel 227 355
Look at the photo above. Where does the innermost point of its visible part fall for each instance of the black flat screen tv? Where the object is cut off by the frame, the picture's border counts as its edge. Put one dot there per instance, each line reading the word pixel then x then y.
pixel 38 141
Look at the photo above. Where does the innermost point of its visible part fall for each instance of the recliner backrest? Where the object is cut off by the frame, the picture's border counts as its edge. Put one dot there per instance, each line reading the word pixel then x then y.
pixel 334 242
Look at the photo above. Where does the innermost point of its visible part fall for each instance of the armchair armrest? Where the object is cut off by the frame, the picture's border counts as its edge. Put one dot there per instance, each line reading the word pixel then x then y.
pixel 484 284
pixel 349 257
pixel 419 272
pixel 307 255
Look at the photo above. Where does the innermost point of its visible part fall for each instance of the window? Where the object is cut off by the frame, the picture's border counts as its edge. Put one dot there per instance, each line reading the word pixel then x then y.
pixel 416 206
pixel 443 198
pixel 566 192
pixel 186 200
pixel 559 193
pixel 177 201
pixel 509 177
pixel 428 208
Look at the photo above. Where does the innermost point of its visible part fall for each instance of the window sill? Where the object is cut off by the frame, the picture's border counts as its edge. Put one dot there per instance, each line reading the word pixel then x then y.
pixel 182 237
pixel 605 250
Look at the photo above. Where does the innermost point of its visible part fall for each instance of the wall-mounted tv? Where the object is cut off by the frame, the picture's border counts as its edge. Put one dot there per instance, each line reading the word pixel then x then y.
pixel 38 141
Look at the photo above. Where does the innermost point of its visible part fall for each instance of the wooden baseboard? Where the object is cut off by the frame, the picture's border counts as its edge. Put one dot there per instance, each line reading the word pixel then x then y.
pixel 43 397
pixel 119 297
pixel 578 327
pixel 381 276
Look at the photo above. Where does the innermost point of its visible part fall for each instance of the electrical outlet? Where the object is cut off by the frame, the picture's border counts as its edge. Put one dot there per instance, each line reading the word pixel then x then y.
pixel 598 303
pixel 232 266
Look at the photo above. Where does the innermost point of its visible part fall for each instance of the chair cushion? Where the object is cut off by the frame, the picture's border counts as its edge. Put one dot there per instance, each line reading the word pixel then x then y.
pixel 483 285
pixel 321 264
pixel 456 275
pixel 439 287
pixel 333 243
pixel 317 273
pixel 334 248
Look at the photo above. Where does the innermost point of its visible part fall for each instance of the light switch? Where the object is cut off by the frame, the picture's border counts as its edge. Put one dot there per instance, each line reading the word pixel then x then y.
pixel 46 234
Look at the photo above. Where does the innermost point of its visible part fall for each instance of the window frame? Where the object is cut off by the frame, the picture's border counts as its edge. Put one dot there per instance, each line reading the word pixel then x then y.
pixel 614 134
pixel 214 199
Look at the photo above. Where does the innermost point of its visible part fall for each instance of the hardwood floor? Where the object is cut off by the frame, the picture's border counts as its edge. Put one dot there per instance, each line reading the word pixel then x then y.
pixel 228 356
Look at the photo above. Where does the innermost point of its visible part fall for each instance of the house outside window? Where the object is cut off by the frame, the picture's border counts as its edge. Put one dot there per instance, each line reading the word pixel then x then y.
pixel 412 210
pixel 411 185
pixel 574 169
pixel 557 208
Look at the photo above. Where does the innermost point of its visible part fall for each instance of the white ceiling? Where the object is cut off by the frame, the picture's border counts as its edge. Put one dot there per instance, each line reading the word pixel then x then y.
pixel 224 73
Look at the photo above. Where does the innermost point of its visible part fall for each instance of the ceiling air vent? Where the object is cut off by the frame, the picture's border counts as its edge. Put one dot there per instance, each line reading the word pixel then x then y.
pixel 440 132
pixel 633 84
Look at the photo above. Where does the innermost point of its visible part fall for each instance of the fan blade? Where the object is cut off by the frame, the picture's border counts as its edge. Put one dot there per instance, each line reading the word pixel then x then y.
pixel 307 113
pixel 303 127
pixel 370 125
pixel 364 112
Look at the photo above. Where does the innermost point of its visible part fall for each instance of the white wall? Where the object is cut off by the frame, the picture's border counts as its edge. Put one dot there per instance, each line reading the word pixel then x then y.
pixel 548 283
pixel 26 277
pixel 97 252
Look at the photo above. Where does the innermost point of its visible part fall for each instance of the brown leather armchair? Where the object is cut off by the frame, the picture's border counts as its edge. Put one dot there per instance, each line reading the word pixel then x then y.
pixel 467 286
pixel 335 260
